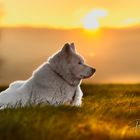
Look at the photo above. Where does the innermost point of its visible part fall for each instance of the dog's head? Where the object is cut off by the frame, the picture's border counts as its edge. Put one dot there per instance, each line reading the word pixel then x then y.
pixel 75 63
pixel 68 63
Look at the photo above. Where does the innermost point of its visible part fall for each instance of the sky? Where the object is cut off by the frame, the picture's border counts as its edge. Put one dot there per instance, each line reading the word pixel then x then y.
pixel 69 13
pixel 106 33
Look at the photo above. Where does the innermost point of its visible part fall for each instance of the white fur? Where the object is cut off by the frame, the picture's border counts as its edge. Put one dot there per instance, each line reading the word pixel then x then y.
pixel 55 82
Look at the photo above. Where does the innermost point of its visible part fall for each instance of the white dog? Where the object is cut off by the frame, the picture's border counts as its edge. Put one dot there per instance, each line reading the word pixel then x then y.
pixel 55 82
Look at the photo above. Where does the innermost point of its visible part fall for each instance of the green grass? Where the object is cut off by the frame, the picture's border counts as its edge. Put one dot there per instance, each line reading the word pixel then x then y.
pixel 107 113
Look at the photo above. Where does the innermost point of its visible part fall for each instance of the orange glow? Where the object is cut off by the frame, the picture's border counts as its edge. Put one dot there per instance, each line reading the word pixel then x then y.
pixel 61 14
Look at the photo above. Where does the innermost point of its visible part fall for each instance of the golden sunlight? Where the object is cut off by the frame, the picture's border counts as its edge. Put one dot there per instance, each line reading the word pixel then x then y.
pixel 91 20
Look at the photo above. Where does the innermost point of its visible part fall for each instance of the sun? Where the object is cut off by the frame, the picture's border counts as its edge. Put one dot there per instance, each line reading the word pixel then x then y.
pixel 91 24
pixel 91 20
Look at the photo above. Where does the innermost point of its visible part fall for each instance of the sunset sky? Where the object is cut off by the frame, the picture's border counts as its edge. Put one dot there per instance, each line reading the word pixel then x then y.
pixel 70 14
pixel 114 51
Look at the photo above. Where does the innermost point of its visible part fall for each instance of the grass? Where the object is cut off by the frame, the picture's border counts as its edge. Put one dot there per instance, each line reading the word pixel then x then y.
pixel 109 112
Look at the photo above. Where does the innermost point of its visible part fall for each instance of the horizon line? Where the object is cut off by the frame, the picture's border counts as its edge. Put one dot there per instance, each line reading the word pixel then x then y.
pixel 68 28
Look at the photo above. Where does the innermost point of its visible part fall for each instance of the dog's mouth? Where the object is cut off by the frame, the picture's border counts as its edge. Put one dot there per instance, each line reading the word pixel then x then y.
pixel 87 76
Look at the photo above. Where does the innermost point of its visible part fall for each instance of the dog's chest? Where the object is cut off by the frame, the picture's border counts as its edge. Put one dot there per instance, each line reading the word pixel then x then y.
pixel 62 94
pixel 65 91
pixel 66 94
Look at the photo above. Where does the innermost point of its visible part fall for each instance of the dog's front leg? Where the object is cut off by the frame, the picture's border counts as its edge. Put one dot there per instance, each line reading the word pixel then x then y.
pixel 77 101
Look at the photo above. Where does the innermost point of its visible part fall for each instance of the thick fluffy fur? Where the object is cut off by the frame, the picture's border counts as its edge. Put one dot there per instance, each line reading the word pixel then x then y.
pixel 55 82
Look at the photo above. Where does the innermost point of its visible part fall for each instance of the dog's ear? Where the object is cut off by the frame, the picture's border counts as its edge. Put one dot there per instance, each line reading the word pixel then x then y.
pixel 73 47
pixel 67 48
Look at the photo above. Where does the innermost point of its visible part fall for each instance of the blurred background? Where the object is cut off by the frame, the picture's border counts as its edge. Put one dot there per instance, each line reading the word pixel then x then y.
pixel 106 34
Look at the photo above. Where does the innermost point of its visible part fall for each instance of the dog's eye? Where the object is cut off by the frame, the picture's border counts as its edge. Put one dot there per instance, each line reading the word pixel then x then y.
pixel 79 63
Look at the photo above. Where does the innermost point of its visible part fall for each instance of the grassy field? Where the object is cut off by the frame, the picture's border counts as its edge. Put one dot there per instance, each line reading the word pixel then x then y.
pixel 109 112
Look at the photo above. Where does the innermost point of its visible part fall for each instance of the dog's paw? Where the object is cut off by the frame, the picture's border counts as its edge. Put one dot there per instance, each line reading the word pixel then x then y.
pixel 77 103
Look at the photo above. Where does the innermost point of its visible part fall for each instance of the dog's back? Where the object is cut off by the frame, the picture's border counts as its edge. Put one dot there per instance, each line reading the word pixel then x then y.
pixel 16 84
pixel 16 93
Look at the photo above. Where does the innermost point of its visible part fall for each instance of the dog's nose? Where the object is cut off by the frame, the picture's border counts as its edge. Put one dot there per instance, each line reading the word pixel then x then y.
pixel 93 70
